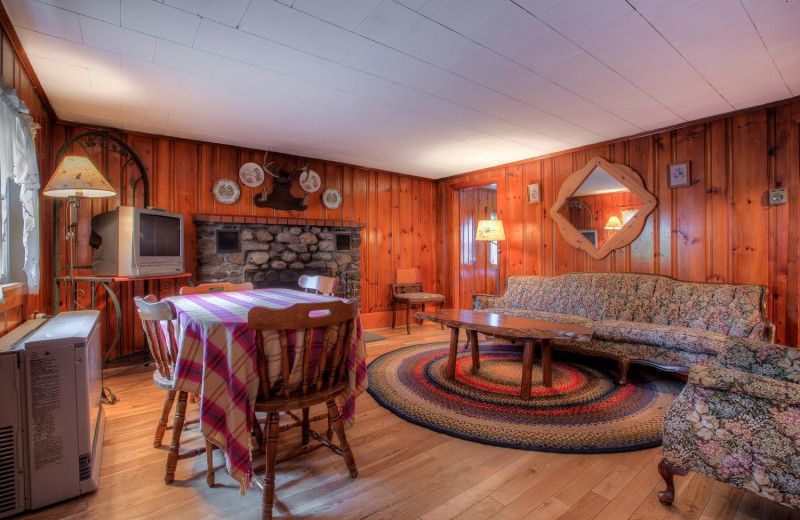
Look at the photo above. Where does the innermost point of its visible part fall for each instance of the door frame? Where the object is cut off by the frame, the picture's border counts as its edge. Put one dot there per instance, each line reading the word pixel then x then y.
pixel 452 229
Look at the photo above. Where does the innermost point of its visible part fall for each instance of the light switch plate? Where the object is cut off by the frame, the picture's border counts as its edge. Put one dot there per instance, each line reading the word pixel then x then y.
pixel 777 197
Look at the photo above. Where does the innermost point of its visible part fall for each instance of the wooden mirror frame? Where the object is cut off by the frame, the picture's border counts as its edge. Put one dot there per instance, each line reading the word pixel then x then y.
pixel 632 229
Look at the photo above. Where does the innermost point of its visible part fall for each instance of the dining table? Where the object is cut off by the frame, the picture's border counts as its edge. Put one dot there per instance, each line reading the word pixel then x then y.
pixel 216 360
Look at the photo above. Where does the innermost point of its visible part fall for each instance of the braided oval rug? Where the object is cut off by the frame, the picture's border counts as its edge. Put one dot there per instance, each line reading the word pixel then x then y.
pixel 586 410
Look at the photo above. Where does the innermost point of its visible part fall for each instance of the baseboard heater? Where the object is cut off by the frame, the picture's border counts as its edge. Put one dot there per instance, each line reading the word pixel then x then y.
pixel 51 416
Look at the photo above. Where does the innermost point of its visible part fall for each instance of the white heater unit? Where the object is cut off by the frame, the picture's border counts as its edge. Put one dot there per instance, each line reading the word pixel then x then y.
pixel 51 417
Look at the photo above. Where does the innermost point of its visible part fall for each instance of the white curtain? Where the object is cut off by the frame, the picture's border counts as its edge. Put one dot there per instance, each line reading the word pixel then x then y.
pixel 18 164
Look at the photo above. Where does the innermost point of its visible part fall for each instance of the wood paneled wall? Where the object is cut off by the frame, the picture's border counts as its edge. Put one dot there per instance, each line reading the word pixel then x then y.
pixel 718 229
pixel 398 210
pixel 15 76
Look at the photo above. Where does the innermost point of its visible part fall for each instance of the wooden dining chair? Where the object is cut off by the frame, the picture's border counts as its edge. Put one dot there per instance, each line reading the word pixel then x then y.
pixel 408 291
pixel 325 285
pixel 205 288
pixel 321 379
pixel 163 350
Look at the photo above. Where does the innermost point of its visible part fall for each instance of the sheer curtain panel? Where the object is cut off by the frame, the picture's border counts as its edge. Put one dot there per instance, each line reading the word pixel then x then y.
pixel 18 164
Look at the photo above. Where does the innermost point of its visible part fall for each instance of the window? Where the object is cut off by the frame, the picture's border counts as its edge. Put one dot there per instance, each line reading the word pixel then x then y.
pixel 19 197
pixel 468 241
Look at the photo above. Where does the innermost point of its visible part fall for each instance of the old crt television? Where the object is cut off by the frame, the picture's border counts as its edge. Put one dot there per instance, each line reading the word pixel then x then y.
pixel 137 242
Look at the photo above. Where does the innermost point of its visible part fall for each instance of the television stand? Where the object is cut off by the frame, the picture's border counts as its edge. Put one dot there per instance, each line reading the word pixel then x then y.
pixel 106 282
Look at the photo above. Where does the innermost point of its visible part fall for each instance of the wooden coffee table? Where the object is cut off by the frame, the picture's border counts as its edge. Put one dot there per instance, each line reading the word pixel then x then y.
pixel 529 332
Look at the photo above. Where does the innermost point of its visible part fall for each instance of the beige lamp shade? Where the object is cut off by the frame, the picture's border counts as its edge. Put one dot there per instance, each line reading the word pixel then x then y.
pixel 613 223
pixel 490 230
pixel 77 177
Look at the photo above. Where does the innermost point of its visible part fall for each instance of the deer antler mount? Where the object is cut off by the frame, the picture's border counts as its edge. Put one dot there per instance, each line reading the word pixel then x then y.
pixel 281 196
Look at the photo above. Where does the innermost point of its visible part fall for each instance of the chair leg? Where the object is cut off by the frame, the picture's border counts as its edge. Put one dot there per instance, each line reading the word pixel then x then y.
pixel 210 479
pixel 257 434
pixel 408 318
pixel 268 496
pixel 169 399
pixel 423 310
pixel 306 424
pixel 338 426
pixel 177 428
pixel 394 314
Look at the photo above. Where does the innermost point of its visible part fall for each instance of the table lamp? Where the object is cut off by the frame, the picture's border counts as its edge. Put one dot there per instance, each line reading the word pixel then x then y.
pixel 492 231
pixel 75 178
pixel 613 224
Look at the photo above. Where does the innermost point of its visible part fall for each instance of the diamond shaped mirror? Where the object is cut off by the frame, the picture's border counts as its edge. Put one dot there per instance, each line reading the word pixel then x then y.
pixel 602 207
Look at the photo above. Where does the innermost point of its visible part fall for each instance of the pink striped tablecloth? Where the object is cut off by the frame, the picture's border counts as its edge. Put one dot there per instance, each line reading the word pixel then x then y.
pixel 217 360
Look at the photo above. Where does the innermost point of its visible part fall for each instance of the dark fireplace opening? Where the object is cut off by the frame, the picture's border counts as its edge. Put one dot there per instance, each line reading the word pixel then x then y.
pixel 228 242
pixel 344 241
pixel 280 279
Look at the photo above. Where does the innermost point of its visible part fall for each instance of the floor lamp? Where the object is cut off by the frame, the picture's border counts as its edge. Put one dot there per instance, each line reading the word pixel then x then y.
pixel 75 178
pixel 492 230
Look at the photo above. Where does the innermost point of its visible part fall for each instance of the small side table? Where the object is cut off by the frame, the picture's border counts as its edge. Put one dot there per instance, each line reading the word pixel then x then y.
pixel 106 282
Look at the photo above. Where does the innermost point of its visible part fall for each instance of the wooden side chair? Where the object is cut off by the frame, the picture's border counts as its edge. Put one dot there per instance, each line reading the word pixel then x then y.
pixel 321 379
pixel 326 285
pixel 205 288
pixel 163 351
pixel 408 291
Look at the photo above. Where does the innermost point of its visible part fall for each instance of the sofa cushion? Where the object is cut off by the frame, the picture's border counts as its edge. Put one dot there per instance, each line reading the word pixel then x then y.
pixel 764 359
pixel 727 308
pixel 697 341
pixel 540 315
pixel 650 353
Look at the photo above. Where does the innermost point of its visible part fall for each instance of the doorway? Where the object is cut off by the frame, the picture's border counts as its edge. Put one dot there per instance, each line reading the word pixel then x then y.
pixel 478 260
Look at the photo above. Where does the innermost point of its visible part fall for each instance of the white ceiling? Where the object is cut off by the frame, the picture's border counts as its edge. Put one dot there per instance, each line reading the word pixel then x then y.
pixel 425 87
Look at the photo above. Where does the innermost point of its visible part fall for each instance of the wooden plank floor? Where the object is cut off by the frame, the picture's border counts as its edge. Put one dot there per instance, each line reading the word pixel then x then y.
pixel 405 472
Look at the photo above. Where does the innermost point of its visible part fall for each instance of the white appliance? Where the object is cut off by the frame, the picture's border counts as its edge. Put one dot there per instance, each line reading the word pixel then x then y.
pixel 51 417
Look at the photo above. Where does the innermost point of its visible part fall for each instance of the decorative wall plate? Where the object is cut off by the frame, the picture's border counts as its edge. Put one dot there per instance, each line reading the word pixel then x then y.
pixel 309 181
pixel 226 191
pixel 331 198
pixel 251 174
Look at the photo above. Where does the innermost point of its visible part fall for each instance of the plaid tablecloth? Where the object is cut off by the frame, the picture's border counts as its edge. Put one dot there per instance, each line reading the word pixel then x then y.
pixel 217 361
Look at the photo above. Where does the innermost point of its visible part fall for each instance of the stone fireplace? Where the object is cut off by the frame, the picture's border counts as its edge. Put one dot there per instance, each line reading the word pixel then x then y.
pixel 274 252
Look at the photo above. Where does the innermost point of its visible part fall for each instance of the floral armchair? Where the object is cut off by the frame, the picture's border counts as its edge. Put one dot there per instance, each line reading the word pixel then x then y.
pixel 738 422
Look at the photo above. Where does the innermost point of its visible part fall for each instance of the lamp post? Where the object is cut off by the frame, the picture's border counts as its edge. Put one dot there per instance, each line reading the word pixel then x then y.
pixel 75 178
pixel 492 231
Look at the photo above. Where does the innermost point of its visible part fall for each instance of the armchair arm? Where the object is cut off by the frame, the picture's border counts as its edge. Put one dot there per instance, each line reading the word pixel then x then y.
pixel 487 301
pixel 753 385
pixel 764 359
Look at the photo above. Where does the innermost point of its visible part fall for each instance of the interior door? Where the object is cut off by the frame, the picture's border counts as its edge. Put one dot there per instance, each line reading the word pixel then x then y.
pixel 477 260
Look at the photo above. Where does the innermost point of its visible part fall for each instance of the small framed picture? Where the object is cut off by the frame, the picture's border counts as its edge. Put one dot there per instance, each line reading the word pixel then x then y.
pixel 679 174
pixel 533 193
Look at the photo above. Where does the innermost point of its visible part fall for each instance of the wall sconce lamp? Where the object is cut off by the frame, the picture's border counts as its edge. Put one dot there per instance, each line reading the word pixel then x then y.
pixel 75 178
pixel 492 231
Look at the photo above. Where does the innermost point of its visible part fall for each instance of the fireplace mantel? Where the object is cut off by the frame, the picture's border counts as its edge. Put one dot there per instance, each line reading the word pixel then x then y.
pixel 281 221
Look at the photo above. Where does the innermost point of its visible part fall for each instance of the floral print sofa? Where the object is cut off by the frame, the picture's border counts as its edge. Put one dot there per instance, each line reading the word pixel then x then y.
pixel 639 318
pixel 738 421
